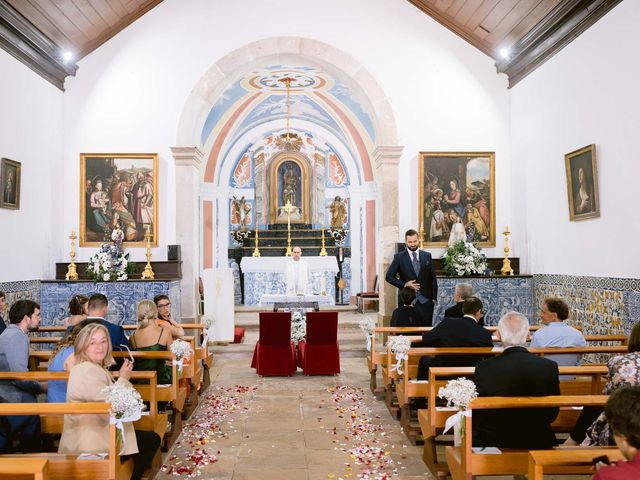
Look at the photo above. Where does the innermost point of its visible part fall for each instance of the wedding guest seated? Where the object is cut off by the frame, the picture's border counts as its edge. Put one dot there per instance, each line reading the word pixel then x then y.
pixel 151 337
pixel 63 360
pixel 623 414
pixel 515 373
pixel 405 315
pixel 97 310
pixel 592 428
pixel 24 316
pixel 456 332
pixel 77 310
pixel 165 319
pixel 87 382
pixel 556 333
pixel 460 294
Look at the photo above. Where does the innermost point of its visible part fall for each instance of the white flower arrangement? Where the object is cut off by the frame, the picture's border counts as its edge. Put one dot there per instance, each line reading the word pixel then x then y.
pixel 182 350
pixel 399 346
pixel 367 325
pixel 126 406
pixel 208 321
pixel 110 263
pixel 458 393
pixel 298 326
pixel 464 258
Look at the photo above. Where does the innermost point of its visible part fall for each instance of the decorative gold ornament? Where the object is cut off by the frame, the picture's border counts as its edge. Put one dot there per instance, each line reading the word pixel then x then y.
pixel 256 252
pixel 72 272
pixel 288 208
pixel 506 263
pixel 421 235
pixel 148 271
pixel 323 251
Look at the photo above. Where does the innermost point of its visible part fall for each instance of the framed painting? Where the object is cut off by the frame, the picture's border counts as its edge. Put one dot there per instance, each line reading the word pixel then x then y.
pixel 118 189
pixel 457 198
pixel 582 183
pixel 10 184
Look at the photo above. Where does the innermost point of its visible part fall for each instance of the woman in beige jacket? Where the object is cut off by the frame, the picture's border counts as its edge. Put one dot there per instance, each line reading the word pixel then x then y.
pixel 87 382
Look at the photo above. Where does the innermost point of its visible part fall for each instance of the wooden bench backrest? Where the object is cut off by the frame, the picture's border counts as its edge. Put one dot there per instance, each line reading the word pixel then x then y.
pixel 574 461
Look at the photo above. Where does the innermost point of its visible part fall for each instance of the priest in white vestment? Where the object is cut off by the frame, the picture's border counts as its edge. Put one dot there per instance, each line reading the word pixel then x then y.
pixel 297 273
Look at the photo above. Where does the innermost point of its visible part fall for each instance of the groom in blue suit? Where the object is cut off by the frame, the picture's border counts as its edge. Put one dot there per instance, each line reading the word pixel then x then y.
pixel 414 268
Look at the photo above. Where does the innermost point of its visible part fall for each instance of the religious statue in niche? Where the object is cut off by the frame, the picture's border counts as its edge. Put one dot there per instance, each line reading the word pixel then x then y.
pixel 338 209
pixel 290 189
pixel 240 212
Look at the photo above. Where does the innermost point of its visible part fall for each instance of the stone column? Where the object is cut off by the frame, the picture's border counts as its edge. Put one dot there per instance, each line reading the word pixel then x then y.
pixel 386 160
pixel 187 162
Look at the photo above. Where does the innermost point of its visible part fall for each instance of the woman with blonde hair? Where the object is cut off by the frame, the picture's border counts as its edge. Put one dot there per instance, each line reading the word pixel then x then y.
pixel 87 382
pixel 151 337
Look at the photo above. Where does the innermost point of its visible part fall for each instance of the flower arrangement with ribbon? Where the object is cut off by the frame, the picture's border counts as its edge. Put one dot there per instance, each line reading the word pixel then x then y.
pixel 208 321
pixel 367 325
pixel 458 393
pixel 126 406
pixel 182 350
pixel 298 326
pixel 463 258
pixel 399 345
pixel 110 263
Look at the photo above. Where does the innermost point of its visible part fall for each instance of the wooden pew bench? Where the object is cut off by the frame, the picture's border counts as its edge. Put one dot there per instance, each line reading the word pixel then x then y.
pixel 568 461
pixel 465 464
pixel 70 467
pixel 26 468
pixel 589 381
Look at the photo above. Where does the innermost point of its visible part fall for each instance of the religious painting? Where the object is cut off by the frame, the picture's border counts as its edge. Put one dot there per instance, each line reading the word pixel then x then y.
pixel 241 213
pixel 582 183
pixel 457 198
pixel 118 191
pixel 10 184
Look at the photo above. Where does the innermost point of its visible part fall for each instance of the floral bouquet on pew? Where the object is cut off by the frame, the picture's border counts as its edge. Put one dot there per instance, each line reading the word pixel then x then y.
pixel 208 321
pixel 182 350
pixel 399 346
pixel 458 393
pixel 367 325
pixel 298 326
pixel 126 406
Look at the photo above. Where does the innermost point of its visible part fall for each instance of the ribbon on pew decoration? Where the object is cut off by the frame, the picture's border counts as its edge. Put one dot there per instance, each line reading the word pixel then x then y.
pixel 456 422
pixel 208 322
pixel 182 350
pixel 126 406
pixel 367 326
pixel 399 346
pixel 119 423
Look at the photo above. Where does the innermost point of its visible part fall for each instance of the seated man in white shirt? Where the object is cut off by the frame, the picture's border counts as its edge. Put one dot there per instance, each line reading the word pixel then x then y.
pixel 297 273
pixel 556 333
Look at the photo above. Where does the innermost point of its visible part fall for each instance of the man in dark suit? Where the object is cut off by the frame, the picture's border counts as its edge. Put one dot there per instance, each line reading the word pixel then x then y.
pixel 414 268
pixel 456 332
pixel 461 293
pixel 97 310
pixel 3 305
pixel 515 373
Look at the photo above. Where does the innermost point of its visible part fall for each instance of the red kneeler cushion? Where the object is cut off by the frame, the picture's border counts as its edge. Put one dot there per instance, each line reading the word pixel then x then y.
pixel 238 334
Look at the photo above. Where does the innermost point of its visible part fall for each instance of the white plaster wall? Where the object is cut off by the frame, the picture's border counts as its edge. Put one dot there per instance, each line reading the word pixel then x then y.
pixel 128 95
pixel 30 133
pixel 586 94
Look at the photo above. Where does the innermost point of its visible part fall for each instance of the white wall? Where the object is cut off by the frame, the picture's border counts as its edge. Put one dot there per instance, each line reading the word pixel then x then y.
pixel 128 95
pixel 30 133
pixel 588 93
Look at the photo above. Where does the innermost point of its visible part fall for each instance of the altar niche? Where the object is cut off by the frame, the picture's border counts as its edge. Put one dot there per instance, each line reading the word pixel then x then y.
pixel 289 182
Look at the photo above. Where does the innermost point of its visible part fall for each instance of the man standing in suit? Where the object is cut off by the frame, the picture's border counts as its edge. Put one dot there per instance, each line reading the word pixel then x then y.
pixel 515 373
pixel 3 305
pixel 461 293
pixel 97 310
pixel 414 268
pixel 456 332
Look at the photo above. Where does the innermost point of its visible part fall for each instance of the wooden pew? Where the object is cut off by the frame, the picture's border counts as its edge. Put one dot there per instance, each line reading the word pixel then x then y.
pixel 464 463
pixel 69 466
pixel 589 381
pixel 38 468
pixel 568 461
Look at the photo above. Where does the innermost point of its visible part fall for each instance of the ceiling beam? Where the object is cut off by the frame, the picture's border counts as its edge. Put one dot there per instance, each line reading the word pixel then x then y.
pixel 30 46
pixel 559 28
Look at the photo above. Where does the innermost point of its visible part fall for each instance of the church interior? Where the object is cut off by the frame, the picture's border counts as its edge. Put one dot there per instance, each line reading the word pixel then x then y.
pixel 186 149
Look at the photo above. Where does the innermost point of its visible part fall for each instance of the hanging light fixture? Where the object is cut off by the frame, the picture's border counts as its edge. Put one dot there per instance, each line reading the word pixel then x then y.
pixel 288 141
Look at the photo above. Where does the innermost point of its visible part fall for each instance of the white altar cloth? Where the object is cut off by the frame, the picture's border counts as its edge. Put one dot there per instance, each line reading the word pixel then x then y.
pixel 279 264
pixel 267 299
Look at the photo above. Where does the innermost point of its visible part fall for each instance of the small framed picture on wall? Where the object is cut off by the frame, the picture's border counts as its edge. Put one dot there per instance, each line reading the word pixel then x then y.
pixel 10 184
pixel 582 183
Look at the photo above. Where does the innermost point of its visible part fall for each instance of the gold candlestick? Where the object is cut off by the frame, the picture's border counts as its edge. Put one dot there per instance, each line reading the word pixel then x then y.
pixel 256 252
pixel 323 251
pixel 506 263
pixel 148 271
pixel 72 272
pixel 288 208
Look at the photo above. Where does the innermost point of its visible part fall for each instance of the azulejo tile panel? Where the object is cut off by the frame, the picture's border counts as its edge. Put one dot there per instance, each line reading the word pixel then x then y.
pixel 498 294
pixel 123 298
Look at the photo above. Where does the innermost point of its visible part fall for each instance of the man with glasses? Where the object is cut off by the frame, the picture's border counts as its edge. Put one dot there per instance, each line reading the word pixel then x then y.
pixel 164 316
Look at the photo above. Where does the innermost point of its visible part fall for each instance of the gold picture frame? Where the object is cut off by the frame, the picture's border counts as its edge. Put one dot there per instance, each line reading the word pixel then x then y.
pixel 582 183
pixel 118 188
pixel 457 188
pixel 10 172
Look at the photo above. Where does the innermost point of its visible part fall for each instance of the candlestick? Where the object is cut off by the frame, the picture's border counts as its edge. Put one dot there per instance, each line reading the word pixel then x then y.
pixel 72 273
pixel 256 252
pixel 148 271
pixel 506 263
pixel 323 251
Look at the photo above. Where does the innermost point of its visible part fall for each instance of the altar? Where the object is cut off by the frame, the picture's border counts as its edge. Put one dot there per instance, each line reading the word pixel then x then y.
pixel 266 276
